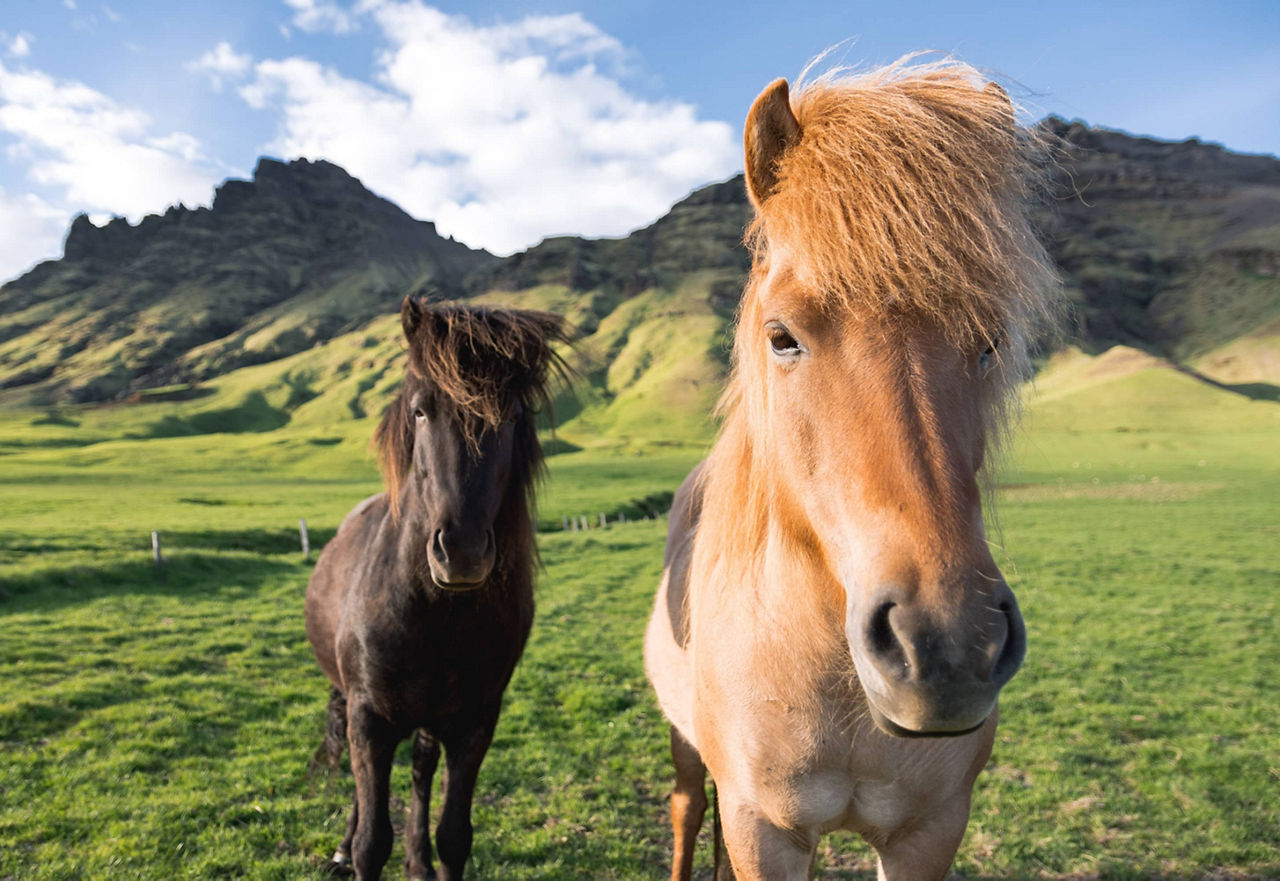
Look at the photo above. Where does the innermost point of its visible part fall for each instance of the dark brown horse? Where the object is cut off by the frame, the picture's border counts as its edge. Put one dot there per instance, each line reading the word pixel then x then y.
pixel 420 606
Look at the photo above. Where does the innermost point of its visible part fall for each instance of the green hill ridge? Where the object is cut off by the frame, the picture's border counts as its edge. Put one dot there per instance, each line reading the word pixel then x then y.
pixel 276 305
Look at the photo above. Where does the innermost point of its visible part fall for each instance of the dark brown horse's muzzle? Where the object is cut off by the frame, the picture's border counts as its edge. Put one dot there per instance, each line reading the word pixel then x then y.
pixel 925 676
pixel 461 560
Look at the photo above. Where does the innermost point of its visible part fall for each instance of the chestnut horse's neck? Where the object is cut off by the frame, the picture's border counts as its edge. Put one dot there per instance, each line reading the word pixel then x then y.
pixel 770 563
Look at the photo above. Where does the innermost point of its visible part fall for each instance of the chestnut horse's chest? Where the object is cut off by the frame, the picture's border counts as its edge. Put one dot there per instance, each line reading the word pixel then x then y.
pixel 805 769
pixel 795 739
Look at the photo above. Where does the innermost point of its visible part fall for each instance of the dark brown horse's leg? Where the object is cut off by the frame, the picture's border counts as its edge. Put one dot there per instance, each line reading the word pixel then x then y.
pixel 342 856
pixel 329 752
pixel 417 835
pixel 462 766
pixel 372 742
pixel 688 804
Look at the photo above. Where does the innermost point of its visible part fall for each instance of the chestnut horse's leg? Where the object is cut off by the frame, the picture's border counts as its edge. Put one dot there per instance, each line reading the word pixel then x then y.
pixel 761 851
pixel 372 742
pixel 688 804
pixel 723 867
pixel 417 835
pixel 462 756
pixel 927 850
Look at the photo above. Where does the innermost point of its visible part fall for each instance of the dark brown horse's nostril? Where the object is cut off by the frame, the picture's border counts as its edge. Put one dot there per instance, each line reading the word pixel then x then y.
pixel 437 546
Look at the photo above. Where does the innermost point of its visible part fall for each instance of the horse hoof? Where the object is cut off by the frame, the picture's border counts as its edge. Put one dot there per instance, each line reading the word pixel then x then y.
pixel 340 865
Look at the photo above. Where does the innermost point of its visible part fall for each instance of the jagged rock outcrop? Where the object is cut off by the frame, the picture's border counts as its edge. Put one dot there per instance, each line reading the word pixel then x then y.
pixel 278 263
pixel 1170 247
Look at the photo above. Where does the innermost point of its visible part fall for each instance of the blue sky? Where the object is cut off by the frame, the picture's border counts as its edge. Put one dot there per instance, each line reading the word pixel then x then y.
pixel 505 122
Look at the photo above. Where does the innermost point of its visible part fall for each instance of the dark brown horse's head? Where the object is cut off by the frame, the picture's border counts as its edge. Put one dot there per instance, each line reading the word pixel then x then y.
pixel 458 446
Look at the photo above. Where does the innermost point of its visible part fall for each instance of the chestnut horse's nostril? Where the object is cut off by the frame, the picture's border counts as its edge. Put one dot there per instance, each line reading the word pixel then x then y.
pixel 884 643
pixel 1015 644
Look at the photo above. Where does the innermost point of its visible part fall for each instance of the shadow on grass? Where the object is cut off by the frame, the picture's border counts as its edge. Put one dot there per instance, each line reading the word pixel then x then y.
pixel 253 414
pixel 182 573
pixel 256 541
pixel 1255 391
pixel 34 718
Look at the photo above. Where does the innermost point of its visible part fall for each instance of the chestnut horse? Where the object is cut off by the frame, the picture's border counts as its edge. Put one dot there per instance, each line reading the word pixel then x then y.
pixel 831 632
pixel 420 606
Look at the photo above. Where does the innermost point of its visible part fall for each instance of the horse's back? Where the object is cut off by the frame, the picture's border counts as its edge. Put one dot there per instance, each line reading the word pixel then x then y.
pixel 666 646
pixel 333 575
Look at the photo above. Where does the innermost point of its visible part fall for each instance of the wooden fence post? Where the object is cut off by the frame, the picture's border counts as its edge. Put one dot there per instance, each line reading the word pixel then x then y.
pixel 603 522
pixel 306 539
pixel 155 548
pixel 584 523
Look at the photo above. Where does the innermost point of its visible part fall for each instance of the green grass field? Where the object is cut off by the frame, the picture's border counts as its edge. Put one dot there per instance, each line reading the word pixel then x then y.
pixel 157 722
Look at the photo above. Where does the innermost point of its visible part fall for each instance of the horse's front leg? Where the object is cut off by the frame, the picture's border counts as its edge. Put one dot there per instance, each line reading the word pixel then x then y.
pixel 463 756
pixel 761 851
pixel 417 835
pixel 688 804
pixel 925 850
pixel 372 742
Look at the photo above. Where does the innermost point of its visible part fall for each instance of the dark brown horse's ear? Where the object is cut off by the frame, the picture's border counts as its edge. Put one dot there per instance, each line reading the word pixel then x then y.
pixel 995 90
pixel 771 130
pixel 410 316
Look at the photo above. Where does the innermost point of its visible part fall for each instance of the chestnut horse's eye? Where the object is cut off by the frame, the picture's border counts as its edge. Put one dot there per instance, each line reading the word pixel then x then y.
pixel 784 345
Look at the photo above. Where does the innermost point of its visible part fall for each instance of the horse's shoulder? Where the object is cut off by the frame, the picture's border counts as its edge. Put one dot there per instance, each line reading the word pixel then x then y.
pixel 365 516
pixel 686 508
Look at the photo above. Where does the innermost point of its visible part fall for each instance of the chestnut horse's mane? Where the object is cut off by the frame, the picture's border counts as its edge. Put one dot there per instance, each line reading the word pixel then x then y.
pixel 905 198
pixel 478 361
pixel 908 191
pixel 907 195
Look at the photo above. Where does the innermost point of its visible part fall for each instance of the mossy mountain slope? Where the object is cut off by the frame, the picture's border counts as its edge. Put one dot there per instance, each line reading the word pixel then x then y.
pixel 299 254
pixel 275 305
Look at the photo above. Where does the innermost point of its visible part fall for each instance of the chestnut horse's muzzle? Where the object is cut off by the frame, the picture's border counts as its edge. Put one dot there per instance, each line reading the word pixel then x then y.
pixel 929 676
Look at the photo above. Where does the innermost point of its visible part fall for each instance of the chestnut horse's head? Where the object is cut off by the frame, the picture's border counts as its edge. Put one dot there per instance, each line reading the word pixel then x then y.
pixel 879 343
pixel 458 446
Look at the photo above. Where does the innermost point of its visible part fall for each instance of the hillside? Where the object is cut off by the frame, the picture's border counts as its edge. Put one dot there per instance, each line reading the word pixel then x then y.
pixel 1168 248
pixel 300 254
pixel 1172 247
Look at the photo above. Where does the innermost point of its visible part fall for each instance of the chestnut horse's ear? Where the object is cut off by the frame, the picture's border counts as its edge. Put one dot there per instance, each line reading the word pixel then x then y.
pixel 995 90
pixel 771 130
pixel 410 316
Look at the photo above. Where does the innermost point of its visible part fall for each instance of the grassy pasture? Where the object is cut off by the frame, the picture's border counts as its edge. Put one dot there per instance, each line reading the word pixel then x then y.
pixel 157 723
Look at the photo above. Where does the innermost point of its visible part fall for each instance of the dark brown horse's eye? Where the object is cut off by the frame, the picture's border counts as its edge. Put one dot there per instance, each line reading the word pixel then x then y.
pixel 987 359
pixel 419 413
pixel 782 342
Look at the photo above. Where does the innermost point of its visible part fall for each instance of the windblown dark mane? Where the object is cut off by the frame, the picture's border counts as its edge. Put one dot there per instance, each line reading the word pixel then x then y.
pixel 479 361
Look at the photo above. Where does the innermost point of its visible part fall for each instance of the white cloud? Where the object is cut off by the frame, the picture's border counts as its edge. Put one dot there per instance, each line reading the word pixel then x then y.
pixel 319 15
pixel 500 134
pixel 20 46
pixel 30 230
pixel 98 155
pixel 222 62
